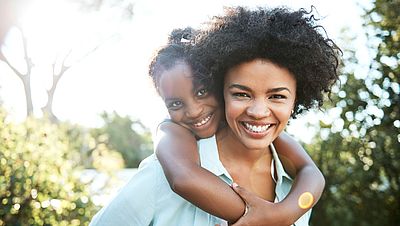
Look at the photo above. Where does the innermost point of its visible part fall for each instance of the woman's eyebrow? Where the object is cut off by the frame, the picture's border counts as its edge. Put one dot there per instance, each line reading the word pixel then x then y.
pixel 245 88
pixel 237 86
pixel 278 89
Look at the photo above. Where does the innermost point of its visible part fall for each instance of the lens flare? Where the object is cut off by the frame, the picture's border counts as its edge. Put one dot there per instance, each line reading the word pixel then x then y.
pixel 306 200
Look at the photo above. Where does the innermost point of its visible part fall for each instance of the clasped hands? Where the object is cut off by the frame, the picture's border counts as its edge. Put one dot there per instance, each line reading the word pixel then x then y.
pixel 259 212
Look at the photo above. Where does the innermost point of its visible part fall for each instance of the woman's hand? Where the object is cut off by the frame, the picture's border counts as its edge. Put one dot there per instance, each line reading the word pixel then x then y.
pixel 259 212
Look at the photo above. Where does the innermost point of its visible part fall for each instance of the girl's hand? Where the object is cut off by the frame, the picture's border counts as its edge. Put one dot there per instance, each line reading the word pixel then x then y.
pixel 259 212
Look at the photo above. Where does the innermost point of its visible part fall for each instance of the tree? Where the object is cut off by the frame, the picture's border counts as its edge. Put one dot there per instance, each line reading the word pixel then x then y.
pixel 359 151
pixel 59 64
pixel 129 137
pixel 59 68
pixel 40 176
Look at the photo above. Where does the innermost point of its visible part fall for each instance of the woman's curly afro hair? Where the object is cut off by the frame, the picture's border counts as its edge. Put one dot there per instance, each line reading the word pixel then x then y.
pixel 288 38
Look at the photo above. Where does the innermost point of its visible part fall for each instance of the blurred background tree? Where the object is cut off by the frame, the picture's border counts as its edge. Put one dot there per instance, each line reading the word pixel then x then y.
pixel 42 163
pixel 40 176
pixel 359 151
pixel 66 54
pixel 128 137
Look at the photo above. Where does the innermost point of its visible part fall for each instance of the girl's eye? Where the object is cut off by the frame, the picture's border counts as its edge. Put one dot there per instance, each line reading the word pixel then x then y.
pixel 175 105
pixel 202 92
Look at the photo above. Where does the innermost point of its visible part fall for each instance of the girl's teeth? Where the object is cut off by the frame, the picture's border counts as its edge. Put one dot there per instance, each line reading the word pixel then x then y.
pixel 204 121
pixel 256 129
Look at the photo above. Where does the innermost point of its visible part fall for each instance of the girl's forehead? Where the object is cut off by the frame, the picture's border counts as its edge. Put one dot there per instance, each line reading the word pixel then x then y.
pixel 178 72
pixel 177 80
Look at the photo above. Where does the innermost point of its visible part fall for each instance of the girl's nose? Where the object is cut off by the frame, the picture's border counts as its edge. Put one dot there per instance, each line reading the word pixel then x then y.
pixel 194 110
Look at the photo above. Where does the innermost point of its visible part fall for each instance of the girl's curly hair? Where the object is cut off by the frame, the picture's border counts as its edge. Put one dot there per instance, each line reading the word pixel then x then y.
pixel 291 39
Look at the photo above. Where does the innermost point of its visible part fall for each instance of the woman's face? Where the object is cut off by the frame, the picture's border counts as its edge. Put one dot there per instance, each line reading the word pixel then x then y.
pixel 259 97
pixel 192 107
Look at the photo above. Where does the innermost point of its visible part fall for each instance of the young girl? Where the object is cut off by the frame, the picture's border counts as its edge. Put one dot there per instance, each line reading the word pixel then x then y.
pixel 195 113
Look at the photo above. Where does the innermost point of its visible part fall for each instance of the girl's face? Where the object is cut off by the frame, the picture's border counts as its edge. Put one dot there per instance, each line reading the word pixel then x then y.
pixel 192 107
pixel 259 97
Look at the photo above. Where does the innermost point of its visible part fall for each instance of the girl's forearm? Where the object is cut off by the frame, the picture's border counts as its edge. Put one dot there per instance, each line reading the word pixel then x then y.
pixel 297 202
pixel 209 193
pixel 307 177
pixel 176 150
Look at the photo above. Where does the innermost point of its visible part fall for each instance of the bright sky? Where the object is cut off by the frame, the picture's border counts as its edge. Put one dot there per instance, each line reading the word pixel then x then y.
pixel 115 76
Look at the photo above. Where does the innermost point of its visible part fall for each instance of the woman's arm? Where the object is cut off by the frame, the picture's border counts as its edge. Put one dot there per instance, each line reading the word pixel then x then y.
pixel 176 150
pixel 307 176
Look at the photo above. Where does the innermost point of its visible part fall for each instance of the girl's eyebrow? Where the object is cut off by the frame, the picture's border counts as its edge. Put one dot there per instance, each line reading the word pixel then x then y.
pixel 196 87
pixel 245 88
pixel 170 99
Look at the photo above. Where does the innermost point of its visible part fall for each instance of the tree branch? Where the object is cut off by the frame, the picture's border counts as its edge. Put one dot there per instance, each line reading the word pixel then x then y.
pixel 5 60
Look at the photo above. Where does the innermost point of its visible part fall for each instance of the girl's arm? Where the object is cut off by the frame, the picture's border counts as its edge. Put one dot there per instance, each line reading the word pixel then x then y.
pixel 307 176
pixel 176 150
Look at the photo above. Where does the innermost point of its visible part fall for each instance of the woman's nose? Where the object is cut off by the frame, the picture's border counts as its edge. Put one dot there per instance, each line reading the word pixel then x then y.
pixel 258 109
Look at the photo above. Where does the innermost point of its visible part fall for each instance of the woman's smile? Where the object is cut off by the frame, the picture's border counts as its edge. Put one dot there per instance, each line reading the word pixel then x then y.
pixel 259 108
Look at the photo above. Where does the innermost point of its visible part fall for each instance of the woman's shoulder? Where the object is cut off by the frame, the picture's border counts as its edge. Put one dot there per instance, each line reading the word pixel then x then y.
pixel 150 166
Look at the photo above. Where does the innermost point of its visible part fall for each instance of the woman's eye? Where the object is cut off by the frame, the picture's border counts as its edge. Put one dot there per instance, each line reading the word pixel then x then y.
pixel 202 92
pixel 241 95
pixel 278 96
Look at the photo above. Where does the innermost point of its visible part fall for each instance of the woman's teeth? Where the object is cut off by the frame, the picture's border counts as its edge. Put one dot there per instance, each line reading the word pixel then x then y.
pixel 256 129
pixel 203 121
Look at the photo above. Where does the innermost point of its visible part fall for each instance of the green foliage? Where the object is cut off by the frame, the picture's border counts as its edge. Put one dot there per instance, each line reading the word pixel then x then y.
pixel 93 151
pixel 130 138
pixel 359 152
pixel 39 176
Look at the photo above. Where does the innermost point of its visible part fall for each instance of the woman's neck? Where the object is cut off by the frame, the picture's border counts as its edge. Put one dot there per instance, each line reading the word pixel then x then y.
pixel 248 167
pixel 229 147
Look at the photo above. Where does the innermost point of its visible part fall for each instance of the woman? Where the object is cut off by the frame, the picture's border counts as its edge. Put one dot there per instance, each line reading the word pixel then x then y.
pixel 263 77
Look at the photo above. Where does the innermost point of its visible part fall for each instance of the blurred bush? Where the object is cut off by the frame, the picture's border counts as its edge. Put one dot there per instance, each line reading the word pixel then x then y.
pixel 359 151
pixel 129 138
pixel 39 175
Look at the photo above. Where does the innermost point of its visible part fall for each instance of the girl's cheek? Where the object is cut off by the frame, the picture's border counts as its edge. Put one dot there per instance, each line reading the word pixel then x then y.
pixel 174 117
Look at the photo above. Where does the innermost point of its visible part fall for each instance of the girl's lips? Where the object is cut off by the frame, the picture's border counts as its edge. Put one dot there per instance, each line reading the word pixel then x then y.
pixel 204 127
pixel 203 121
